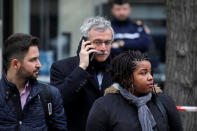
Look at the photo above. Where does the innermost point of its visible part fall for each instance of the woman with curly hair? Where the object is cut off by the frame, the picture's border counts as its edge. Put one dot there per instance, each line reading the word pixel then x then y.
pixel 133 102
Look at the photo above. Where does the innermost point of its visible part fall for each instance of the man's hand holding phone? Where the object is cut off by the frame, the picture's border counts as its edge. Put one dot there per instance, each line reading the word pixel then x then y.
pixel 86 49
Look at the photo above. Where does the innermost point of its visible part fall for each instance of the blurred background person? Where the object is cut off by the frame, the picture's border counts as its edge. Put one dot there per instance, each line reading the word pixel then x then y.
pixel 133 102
pixel 128 35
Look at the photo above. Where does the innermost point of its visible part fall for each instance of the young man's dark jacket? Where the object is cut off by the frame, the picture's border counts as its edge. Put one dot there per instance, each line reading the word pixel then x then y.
pixel 79 88
pixel 133 35
pixel 32 117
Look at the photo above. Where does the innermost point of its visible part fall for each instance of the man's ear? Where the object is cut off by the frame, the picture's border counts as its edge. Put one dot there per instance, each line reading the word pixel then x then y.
pixel 112 9
pixel 15 63
pixel 130 10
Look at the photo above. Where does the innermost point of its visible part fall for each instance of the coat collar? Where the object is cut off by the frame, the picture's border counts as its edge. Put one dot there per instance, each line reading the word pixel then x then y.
pixel 113 89
pixel 11 88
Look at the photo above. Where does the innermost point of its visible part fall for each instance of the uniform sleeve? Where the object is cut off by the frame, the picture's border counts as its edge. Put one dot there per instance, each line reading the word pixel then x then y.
pixel 97 118
pixel 68 81
pixel 141 43
pixel 174 119
pixel 58 114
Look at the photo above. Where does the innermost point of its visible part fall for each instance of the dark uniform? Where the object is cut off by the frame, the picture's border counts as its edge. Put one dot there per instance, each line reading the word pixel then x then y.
pixel 133 36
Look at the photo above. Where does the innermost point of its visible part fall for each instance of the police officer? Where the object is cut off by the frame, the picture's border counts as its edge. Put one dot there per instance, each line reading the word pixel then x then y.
pixel 128 35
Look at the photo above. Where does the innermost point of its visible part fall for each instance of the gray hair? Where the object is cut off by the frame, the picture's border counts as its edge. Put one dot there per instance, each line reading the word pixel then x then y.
pixel 98 23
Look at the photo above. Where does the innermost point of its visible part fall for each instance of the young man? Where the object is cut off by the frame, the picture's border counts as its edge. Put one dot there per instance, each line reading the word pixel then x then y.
pixel 128 35
pixel 21 105
pixel 83 78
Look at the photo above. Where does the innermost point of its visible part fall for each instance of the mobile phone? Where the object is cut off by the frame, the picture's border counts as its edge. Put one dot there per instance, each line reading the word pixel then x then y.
pixel 85 38
pixel 91 57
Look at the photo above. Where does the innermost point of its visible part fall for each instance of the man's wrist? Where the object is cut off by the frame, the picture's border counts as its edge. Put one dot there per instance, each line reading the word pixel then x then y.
pixel 83 67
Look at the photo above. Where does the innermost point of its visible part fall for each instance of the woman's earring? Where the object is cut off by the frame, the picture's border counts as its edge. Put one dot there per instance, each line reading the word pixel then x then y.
pixel 133 88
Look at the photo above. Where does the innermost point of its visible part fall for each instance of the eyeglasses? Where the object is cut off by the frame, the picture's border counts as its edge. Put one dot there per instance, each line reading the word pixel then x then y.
pixel 99 42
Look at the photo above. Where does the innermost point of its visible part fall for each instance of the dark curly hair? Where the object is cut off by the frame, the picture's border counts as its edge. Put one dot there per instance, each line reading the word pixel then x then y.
pixel 123 66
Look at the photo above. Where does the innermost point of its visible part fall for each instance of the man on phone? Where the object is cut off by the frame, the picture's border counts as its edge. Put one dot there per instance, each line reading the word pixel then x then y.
pixel 83 78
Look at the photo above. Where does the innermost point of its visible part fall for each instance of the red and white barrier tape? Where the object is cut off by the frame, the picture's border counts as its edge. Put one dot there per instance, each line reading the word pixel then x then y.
pixel 187 108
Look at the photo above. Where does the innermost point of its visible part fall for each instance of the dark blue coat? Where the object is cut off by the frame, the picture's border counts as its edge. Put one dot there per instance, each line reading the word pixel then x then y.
pixel 79 90
pixel 132 34
pixel 32 117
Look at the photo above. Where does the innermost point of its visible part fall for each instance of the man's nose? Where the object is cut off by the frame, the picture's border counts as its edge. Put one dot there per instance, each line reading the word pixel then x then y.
pixel 38 64
pixel 103 46
pixel 122 12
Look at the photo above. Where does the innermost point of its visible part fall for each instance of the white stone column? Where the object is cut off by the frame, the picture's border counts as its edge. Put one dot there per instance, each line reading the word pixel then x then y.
pixel 21 16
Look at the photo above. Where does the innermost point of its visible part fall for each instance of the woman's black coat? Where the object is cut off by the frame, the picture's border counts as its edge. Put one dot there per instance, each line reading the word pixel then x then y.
pixel 114 113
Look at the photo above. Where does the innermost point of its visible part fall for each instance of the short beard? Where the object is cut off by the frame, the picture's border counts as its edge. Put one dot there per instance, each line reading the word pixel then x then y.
pixel 22 74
